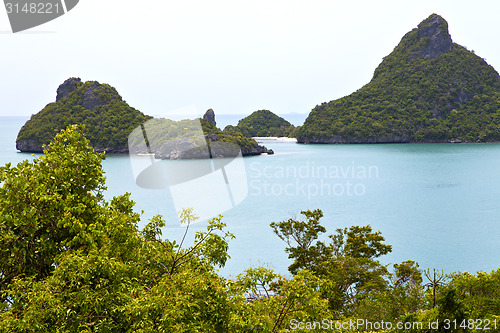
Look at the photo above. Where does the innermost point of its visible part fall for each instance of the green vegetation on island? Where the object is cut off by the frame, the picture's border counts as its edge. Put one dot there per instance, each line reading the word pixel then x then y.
pixel 428 89
pixel 108 119
pixel 71 261
pixel 191 139
pixel 262 123
pixel 248 145
pixel 109 123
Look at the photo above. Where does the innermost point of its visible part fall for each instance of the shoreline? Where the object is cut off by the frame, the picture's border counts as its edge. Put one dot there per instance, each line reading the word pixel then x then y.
pixel 276 138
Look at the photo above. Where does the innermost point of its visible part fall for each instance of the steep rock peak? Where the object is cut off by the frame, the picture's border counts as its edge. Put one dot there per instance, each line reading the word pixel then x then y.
pixel 436 29
pixel 68 87
pixel 210 117
pixel 90 98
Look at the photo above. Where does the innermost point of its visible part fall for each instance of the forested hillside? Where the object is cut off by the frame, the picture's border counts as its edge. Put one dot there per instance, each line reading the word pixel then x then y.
pixel 428 89
pixel 108 119
pixel 262 123
pixel 197 138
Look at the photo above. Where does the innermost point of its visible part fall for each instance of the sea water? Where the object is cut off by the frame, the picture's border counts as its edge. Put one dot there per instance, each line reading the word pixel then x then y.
pixel 436 204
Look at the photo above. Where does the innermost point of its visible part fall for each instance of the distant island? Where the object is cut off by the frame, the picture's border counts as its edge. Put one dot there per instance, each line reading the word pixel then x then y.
pixel 109 121
pixel 428 89
pixel 262 123
pixel 198 138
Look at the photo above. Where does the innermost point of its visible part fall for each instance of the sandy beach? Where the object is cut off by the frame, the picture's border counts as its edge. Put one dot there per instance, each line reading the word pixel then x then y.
pixel 281 138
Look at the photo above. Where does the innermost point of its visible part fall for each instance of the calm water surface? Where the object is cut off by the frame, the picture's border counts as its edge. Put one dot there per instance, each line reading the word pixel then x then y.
pixel 437 204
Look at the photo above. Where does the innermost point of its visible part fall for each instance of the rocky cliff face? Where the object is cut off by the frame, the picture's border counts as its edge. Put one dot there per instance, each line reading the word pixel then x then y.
pixel 184 149
pixel 29 146
pixel 68 87
pixel 259 150
pixel 91 98
pixel 435 30
pixel 210 117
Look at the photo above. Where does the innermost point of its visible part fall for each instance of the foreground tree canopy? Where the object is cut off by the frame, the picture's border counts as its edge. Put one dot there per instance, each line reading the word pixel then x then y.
pixel 70 261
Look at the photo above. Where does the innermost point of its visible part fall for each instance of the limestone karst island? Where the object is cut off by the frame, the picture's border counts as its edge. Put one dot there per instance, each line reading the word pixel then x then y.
pixel 428 89
pixel 109 121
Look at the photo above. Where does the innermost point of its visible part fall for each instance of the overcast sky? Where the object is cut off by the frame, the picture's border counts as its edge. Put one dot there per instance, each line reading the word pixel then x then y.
pixel 233 56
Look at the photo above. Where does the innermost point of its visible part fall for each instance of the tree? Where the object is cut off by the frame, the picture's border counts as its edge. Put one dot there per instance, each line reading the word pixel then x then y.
pixel 451 309
pixel 299 236
pixel 277 300
pixel 405 295
pixel 346 265
pixel 479 294
pixel 359 242
pixel 73 262
pixel 435 281
pixel 407 272
pixel 48 206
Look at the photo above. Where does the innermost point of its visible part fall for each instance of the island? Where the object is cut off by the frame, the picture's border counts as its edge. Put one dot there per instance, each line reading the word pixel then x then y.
pixel 110 123
pixel 107 118
pixel 262 123
pixel 197 138
pixel 429 89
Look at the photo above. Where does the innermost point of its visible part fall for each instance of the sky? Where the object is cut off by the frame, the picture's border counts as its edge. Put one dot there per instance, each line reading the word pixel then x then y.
pixel 233 56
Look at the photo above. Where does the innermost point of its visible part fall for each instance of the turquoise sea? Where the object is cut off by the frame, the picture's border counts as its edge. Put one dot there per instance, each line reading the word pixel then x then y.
pixel 437 204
